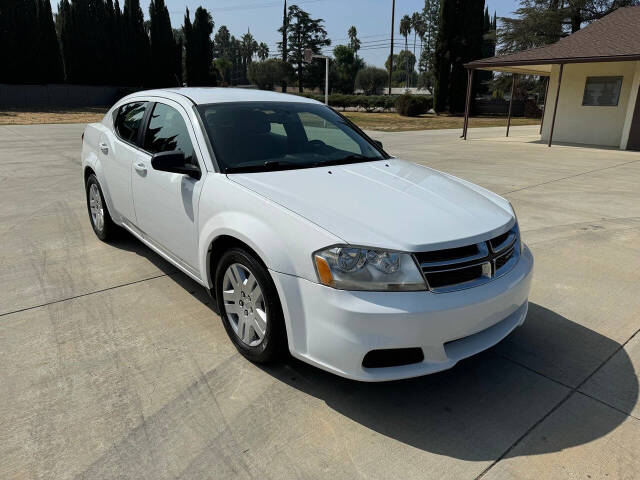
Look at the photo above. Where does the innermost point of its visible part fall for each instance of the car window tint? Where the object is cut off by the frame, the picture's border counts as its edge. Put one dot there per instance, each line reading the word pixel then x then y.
pixel 317 128
pixel 167 132
pixel 128 121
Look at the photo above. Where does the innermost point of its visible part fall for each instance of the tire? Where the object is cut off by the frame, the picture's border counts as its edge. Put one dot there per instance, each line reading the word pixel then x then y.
pixel 99 216
pixel 242 316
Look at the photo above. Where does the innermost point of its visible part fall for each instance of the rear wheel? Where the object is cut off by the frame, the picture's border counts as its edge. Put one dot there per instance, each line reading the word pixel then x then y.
pixel 101 221
pixel 249 306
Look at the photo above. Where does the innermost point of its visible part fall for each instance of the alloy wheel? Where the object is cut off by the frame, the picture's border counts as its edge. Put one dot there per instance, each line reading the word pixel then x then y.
pixel 244 304
pixel 96 208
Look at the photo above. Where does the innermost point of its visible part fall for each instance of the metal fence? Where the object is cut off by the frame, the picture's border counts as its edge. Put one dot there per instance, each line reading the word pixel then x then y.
pixel 60 96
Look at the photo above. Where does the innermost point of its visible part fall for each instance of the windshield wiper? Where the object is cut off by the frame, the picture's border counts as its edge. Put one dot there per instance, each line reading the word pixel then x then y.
pixel 269 165
pixel 353 158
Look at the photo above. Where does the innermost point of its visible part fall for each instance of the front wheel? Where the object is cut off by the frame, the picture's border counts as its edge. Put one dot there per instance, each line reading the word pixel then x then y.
pixel 249 306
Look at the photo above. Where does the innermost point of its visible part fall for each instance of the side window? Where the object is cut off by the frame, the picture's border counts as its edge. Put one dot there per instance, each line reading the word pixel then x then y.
pixel 168 132
pixel 128 121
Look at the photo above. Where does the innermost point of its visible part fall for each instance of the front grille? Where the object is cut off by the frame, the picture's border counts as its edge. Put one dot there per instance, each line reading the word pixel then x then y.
pixel 471 265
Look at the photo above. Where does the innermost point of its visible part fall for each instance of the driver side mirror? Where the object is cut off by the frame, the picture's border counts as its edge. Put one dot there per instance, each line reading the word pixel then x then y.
pixel 378 144
pixel 175 162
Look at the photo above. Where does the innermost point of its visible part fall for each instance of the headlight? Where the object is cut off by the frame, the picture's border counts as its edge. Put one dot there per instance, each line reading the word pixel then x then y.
pixel 358 268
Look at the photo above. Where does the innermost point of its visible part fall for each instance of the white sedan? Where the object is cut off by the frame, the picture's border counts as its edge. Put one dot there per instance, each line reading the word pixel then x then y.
pixel 309 236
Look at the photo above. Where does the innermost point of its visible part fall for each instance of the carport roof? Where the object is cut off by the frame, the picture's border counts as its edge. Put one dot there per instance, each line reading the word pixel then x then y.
pixel 615 37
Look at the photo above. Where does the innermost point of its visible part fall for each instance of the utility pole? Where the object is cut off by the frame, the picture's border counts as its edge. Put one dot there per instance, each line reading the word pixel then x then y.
pixel 285 27
pixel 393 20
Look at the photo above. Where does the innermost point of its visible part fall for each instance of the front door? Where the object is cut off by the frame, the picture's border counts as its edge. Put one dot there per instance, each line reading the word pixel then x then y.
pixel 634 132
pixel 166 204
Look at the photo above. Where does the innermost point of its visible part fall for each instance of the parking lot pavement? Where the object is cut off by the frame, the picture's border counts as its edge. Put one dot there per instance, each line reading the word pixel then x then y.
pixel 115 365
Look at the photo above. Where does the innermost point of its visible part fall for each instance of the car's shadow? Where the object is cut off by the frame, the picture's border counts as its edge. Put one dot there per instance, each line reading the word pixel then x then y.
pixel 484 403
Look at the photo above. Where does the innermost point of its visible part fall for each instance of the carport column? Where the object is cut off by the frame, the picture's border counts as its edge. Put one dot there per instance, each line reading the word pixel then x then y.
pixel 555 107
pixel 544 107
pixel 468 102
pixel 513 83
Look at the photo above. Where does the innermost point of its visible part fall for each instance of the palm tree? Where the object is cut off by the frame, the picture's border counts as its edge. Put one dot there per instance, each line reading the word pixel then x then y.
pixel 354 42
pixel 405 30
pixel 416 20
pixel 248 46
pixel 263 51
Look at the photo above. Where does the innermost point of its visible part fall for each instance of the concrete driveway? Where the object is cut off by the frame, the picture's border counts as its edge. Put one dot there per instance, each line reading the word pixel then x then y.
pixel 115 365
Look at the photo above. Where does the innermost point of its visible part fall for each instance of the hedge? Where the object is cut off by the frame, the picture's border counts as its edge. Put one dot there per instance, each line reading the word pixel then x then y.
pixel 413 105
pixel 369 102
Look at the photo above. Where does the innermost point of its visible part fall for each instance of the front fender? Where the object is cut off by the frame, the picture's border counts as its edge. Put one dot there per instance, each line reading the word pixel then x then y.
pixel 283 239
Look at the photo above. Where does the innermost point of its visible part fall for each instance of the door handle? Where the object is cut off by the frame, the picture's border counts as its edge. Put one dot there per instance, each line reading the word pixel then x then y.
pixel 140 167
pixel 104 148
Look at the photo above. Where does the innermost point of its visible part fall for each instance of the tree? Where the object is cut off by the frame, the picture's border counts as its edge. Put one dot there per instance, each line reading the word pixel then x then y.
pixel 136 43
pixel 416 25
pixel 403 67
pixel 268 73
pixel 459 41
pixel 263 51
pixel 282 46
pixel 224 66
pixel 541 22
pixel 163 47
pixel 304 33
pixel 249 47
pixel 405 30
pixel 354 41
pixel 431 16
pixel 344 69
pixel 371 80
pixel 199 47
pixel 50 60
pixel 222 43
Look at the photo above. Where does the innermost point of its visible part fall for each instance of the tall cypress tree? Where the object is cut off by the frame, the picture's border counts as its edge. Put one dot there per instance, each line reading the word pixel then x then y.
pixel 136 43
pixel 163 46
pixel 19 25
pixel 459 41
pixel 442 61
pixel 198 47
pixel 50 59
pixel 187 31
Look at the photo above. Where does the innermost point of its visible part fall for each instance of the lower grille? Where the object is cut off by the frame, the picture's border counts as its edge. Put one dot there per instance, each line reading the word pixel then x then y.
pixel 453 277
pixel 392 357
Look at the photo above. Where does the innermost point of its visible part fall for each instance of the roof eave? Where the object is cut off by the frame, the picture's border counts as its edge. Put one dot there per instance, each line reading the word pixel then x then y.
pixel 491 64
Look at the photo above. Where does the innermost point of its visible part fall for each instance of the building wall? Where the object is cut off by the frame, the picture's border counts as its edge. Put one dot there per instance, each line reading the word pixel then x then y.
pixel 630 107
pixel 591 125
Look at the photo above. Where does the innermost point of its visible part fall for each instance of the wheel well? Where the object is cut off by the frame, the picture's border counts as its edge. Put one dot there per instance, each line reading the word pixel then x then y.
pixel 220 245
pixel 88 171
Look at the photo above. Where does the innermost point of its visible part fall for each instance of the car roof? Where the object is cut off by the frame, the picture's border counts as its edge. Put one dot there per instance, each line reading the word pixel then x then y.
pixel 205 95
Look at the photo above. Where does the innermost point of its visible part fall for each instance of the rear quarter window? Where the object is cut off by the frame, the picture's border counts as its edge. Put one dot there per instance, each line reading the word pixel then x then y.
pixel 128 121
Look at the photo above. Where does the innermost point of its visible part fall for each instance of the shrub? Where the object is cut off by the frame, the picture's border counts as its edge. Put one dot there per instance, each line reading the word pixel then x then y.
pixel 371 80
pixel 413 105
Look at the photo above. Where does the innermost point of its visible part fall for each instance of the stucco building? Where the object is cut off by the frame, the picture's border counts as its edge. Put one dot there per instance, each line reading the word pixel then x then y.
pixel 594 79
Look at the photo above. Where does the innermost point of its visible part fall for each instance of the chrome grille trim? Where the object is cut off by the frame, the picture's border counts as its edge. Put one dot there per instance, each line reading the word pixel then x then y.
pixel 497 256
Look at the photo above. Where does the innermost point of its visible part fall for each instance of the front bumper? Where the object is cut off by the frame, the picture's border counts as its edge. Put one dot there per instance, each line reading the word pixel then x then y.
pixel 334 329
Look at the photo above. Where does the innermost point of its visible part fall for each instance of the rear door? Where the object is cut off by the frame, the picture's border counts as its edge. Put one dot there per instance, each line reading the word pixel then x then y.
pixel 118 150
pixel 166 204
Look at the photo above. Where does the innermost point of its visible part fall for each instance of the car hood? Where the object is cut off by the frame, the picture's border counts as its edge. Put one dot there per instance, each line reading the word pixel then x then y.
pixel 388 204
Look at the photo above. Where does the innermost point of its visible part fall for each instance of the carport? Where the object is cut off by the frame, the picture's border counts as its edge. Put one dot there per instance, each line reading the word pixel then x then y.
pixel 593 76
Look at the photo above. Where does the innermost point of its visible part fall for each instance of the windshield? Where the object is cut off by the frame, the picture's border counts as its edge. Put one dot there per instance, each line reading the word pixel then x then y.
pixel 260 136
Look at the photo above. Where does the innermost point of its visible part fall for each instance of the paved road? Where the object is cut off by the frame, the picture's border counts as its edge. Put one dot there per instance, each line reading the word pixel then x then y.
pixel 114 365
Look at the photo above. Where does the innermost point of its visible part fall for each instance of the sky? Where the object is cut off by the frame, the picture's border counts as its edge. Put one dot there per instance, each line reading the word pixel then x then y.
pixel 372 18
